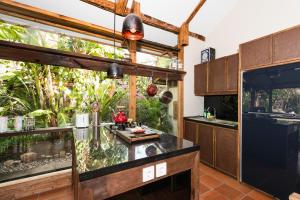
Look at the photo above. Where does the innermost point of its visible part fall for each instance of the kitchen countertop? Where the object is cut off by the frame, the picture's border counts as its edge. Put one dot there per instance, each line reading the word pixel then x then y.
pixel 101 152
pixel 216 122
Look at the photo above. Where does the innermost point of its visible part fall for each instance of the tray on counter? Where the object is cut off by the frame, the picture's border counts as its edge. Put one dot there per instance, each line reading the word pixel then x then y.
pixel 130 137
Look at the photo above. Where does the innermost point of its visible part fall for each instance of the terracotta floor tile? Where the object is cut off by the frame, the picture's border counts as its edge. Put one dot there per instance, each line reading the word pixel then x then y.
pixel 203 188
pixel 245 189
pixel 201 172
pixel 213 195
pixel 229 192
pixel 247 198
pixel 210 181
pixel 259 195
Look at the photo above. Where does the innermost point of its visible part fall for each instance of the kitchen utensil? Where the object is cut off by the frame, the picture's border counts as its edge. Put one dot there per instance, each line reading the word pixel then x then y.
pixel 152 88
pixel 166 96
pixel 120 117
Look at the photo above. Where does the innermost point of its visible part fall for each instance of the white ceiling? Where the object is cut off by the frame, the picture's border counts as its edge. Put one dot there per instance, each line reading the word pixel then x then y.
pixel 172 11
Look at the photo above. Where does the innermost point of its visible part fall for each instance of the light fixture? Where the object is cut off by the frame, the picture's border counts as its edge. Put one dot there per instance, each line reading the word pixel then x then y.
pixel 133 28
pixel 115 70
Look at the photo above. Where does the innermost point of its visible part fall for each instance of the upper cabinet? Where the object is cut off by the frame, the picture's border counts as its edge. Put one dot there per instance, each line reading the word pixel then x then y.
pixel 279 48
pixel 200 78
pixel 257 53
pixel 286 45
pixel 232 72
pixel 217 77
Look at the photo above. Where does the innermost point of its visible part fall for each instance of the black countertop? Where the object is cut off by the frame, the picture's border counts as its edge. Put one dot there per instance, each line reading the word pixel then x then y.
pixel 99 151
pixel 215 122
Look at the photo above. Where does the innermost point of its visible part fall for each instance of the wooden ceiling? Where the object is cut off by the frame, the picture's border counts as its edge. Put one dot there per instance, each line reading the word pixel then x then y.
pixel 122 10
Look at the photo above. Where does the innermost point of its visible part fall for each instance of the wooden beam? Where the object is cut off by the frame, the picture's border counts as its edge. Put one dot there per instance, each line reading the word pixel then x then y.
pixel 183 36
pixel 151 21
pixel 195 11
pixel 34 14
pixel 121 6
pixel 46 56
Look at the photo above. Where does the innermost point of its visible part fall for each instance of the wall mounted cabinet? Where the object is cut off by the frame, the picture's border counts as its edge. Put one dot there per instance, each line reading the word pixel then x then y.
pixel 218 145
pixel 217 77
pixel 279 48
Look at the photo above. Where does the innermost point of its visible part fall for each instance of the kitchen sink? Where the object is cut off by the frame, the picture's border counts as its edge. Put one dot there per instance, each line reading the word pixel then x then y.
pixel 215 121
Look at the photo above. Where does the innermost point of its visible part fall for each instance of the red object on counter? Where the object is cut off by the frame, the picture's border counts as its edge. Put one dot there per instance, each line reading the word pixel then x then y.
pixel 120 117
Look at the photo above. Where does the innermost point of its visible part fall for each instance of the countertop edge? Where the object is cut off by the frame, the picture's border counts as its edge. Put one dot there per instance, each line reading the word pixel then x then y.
pixel 210 123
pixel 85 176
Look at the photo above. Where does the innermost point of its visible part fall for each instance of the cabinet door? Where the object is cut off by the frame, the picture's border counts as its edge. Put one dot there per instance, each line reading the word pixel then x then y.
pixel 287 45
pixel 257 53
pixel 200 79
pixel 217 75
pixel 206 141
pixel 226 150
pixel 232 72
pixel 190 131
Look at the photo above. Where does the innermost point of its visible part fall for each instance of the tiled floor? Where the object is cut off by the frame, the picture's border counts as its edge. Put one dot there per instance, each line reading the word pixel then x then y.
pixel 215 185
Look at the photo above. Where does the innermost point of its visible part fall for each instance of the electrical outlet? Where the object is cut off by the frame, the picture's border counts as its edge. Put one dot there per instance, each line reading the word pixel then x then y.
pixel 148 173
pixel 161 169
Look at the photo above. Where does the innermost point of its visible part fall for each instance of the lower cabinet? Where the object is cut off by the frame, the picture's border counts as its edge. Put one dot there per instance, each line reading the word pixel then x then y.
pixel 226 150
pixel 218 146
pixel 206 141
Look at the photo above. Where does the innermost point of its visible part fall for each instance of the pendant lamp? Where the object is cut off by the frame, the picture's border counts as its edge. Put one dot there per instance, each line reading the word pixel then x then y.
pixel 114 70
pixel 133 28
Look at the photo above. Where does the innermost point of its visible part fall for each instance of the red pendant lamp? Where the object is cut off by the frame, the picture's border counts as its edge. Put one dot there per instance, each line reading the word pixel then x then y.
pixel 133 28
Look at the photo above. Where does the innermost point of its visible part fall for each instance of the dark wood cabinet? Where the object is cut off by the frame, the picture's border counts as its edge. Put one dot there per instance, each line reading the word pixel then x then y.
pixel 217 75
pixel 200 79
pixel 257 53
pixel 226 150
pixel 191 131
pixel 232 72
pixel 286 45
pixel 218 146
pixel 206 141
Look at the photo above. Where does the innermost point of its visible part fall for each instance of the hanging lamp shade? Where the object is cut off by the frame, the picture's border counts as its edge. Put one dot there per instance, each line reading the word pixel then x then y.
pixel 114 71
pixel 133 27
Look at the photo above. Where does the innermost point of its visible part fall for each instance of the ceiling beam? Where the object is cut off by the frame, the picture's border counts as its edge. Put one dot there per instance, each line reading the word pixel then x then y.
pixel 121 6
pixel 195 11
pixel 38 15
pixel 151 21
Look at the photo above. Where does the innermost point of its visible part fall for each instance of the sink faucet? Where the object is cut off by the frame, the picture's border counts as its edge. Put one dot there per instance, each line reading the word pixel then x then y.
pixel 209 112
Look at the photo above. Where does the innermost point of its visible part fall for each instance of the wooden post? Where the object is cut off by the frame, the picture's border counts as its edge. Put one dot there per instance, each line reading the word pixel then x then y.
pixel 132 79
pixel 180 84
pixel 132 82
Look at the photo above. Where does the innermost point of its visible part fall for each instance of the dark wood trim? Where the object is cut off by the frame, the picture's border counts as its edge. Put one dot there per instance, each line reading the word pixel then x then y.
pixel 36 185
pixel 47 56
pixel 26 12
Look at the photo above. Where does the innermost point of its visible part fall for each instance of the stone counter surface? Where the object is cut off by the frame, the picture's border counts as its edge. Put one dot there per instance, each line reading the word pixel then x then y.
pixel 100 152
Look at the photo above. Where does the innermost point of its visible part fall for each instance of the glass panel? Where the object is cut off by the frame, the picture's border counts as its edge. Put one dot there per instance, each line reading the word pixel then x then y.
pixel 286 101
pixel 153 113
pixel 43 38
pixel 53 94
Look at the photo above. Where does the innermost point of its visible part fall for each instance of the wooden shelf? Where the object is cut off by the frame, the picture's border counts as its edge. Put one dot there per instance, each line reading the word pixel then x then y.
pixel 46 56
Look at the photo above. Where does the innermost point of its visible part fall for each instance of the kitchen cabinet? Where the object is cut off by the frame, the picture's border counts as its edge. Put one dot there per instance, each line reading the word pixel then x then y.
pixel 217 77
pixel 286 45
pixel 226 150
pixel 218 145
pixel 200 79
pixel 206 141
pixel 257 53
pixel 191 131
pixel 232 72
pixel 278 48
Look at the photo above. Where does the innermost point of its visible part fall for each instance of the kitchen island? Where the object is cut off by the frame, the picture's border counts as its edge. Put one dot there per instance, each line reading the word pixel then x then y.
pixel 108 166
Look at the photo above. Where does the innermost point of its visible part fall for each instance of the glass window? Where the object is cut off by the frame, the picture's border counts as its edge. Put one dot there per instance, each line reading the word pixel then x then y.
pixel 286 100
